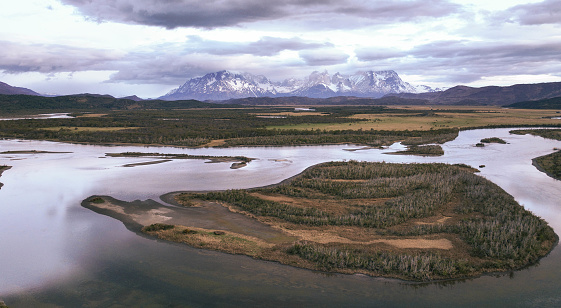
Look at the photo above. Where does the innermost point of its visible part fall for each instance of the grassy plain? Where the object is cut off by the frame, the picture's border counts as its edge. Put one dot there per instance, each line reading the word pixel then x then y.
pixel 427 118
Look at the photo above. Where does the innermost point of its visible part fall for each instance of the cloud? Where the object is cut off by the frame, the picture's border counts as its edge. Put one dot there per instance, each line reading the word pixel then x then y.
pixel 44 58
pixel 546 12
pixel 324 57
pixel 173 67
pixel 266 46
pixel 467 61
pixel 376 54
pixel 221 13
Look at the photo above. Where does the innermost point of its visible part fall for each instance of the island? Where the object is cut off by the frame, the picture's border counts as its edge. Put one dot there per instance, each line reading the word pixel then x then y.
pixel 237 161
pixel 422 150
pixel 493 140
pixel 418 222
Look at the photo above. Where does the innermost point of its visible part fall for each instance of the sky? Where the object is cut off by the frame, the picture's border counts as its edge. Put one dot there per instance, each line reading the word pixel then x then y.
pixel 149 47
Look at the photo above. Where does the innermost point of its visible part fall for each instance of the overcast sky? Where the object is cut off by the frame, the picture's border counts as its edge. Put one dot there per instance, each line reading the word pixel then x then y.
pixel 148 47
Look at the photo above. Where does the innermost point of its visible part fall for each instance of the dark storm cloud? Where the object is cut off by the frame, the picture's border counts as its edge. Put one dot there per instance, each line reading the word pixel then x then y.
pixel 546 12
pixel 464 61
pixel 22 58
pixel 221 13
pixel 488 52
pixel 266 46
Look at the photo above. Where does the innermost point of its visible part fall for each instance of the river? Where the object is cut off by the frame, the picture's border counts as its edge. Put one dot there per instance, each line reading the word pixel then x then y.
pixel 53 252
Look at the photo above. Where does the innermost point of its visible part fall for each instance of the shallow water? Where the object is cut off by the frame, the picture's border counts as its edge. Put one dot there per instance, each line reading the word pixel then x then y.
pixel 56 252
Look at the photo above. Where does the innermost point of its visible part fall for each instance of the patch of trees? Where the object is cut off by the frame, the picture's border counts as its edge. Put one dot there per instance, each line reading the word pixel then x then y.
pixel 550 103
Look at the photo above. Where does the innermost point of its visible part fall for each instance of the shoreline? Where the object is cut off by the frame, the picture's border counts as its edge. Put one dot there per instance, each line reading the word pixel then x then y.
pixel 2 169
pixel 541 169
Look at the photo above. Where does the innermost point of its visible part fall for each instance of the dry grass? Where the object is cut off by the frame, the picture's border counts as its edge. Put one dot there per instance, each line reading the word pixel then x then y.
pixel 215 240
pixel 214 143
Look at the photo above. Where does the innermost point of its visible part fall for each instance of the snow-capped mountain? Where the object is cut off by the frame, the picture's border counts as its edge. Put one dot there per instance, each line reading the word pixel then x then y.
pixel 226 85
pixel 220 86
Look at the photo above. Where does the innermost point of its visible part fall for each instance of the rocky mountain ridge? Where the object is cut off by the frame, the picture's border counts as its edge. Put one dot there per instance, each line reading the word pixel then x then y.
pixel 224 85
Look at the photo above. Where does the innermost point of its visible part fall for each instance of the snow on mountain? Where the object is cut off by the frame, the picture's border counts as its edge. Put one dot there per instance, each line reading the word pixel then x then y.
pixel 225 85
pixel 425 89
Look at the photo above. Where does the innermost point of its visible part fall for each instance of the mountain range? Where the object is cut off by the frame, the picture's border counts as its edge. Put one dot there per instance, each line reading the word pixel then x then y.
pixel 322 88
pixel 225 85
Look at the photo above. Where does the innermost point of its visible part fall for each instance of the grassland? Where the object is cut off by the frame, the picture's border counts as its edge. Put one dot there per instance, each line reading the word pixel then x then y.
pixel 427 118
pixel 225 126
pixel 416 222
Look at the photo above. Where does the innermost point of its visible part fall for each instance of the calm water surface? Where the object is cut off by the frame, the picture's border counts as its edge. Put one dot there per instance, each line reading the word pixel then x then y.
pixel 53 252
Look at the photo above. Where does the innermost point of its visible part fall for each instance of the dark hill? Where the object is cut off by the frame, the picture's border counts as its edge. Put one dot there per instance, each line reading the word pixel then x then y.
pixel 550 103
pixel 86 102
pixel 9 90
pixel 492 95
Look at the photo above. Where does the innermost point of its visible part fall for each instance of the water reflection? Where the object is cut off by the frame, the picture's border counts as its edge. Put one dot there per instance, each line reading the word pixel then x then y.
pixel 56 252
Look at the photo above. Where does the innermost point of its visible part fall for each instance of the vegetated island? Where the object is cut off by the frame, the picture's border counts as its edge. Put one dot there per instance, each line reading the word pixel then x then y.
pixel 2 169
pixel 484 141
pixel 416 222
pixel 237 161
pixel 549 164
pixel 422 150
pixel 493 140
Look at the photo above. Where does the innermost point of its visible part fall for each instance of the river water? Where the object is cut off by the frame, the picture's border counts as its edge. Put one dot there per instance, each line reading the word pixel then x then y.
pixel 53 252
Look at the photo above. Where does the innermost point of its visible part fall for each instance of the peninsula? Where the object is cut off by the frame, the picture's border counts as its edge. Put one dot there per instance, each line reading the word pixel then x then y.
pixel 417 222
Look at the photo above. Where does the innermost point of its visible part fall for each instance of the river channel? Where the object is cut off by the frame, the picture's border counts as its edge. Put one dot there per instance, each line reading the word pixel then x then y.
pixel 55 253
